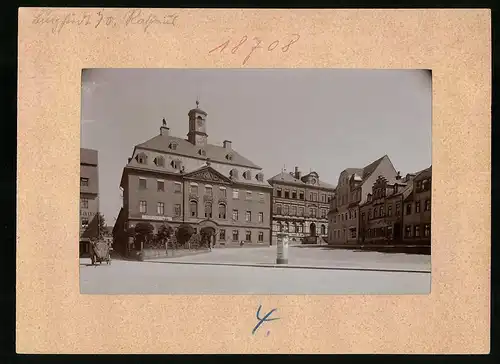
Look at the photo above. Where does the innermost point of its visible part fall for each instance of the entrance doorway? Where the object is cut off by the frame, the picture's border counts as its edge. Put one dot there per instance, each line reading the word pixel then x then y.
pixel 397 233
pixel 208 236
pixel 312 229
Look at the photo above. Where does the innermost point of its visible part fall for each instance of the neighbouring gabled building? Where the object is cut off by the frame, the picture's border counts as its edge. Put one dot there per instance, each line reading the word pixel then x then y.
pixel 353 187
pixel 173 181
pixel 300 206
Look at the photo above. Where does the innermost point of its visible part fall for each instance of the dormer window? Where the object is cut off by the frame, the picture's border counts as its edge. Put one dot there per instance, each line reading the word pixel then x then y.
pixel 141 158
pixel 260 177
pixel 202 152
pixel 247 175
pixel 234 173
pixel 176 164
pixel 159 161
pixel 173 146
pixel 229 157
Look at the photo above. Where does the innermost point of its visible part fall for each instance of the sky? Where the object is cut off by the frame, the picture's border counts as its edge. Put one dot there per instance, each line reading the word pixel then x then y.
pixel 322 120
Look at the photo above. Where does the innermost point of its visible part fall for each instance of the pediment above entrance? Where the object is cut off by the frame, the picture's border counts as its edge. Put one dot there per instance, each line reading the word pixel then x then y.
pixel 207 174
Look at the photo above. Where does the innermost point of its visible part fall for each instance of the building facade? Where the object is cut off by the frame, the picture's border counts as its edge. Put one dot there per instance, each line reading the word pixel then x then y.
pixel 175 181
pixel 89 197
pixel 381 216
pixel 417 210
pixel 300 206
pixel 353 187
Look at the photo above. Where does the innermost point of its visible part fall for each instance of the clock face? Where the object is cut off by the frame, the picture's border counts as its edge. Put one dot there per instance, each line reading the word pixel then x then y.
pixel 313 181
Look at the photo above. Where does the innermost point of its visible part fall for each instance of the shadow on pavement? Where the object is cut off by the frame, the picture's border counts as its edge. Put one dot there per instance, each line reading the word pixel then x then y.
pixel 392 249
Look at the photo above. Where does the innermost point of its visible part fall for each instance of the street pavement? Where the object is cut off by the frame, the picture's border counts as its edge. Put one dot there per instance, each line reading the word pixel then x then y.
pixel 312 257
pixel 343 272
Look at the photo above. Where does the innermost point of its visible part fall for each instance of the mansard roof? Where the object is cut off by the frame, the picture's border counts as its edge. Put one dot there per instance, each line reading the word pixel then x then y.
pixel 216 153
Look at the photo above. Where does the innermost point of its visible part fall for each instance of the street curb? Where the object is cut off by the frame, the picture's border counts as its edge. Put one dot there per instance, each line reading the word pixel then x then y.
pixel 295 267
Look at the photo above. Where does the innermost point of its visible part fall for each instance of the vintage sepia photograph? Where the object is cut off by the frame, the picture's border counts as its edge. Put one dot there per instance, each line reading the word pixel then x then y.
pixel 255 181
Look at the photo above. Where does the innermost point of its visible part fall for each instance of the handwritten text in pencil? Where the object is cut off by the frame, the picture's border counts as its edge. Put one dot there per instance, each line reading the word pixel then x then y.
pixel 101 19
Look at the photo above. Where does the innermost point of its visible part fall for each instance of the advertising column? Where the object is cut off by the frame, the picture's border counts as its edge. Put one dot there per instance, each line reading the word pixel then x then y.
pixel 282 249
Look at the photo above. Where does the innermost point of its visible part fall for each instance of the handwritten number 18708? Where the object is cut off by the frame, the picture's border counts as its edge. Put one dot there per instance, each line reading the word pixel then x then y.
pixel 257 44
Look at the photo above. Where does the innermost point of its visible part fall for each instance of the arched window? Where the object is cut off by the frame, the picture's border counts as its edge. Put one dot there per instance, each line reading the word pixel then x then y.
pixel 229 157
pixel 323 230
pixel 173 146
pixel 222 211
pixel 260 177
pixel 381 211
pixel 142 158
pixel 202 152
pixel 247 175
pixel 234 173
pixel 193 208
pixel 208 210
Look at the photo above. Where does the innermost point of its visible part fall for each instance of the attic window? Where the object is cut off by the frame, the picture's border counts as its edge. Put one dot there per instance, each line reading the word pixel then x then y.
pixel 229 157
pixel 202 152
pixel 176 164
pixel 234 173
pixel 259 177
pixel 159 161
pixel 247 175
pixel 141 158
pixel 173 146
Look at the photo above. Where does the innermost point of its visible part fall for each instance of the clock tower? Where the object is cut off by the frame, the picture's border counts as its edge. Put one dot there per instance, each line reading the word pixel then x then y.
pixel 197 134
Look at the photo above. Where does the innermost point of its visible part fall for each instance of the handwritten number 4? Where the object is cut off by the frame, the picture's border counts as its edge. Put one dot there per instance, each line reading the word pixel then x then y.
pixel 264 319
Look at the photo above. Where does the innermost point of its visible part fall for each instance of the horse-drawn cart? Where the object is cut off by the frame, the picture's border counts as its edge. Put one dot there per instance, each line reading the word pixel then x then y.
pixel 100 251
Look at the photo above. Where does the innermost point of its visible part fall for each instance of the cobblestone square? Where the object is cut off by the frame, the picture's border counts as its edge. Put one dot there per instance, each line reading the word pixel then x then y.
pixel 251 271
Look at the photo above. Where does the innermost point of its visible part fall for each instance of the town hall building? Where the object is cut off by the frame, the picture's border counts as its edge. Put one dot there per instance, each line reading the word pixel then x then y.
pixel 175 181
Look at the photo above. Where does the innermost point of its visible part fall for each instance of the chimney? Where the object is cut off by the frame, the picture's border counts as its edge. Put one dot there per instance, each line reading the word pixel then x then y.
pixel 227 144
pixel 398 176
pixel 297 173
pixel 164 130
